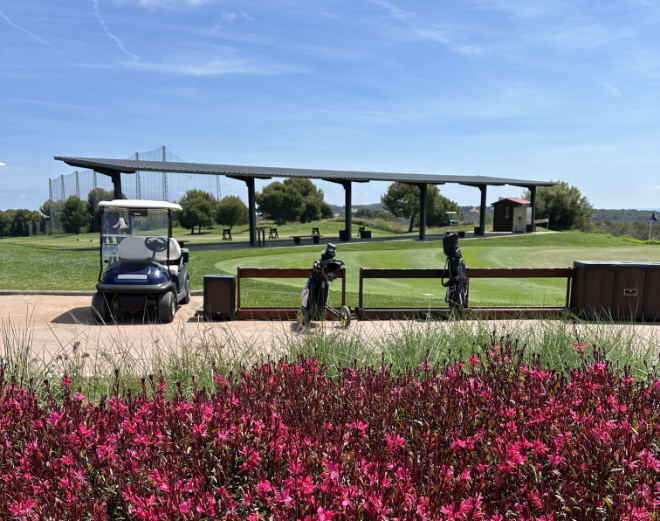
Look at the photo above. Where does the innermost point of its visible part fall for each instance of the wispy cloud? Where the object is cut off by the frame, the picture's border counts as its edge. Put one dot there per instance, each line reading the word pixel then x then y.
pixel 232 16
pixel 413 22
pixel 196 65
pixel 422 28
pixel 611 89
pixel 169 4
pixel 32 35
pixel 110 35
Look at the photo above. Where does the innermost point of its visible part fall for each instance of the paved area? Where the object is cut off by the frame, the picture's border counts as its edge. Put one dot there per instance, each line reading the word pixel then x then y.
pixel 56 325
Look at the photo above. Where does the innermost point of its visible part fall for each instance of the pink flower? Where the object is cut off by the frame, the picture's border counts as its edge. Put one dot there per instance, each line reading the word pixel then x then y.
pixel 394 441
pixel 22 508
pixel 580 347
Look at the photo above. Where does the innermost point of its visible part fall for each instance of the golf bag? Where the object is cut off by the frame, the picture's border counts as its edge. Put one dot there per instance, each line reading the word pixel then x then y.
pixel 457 283
pixel 314 297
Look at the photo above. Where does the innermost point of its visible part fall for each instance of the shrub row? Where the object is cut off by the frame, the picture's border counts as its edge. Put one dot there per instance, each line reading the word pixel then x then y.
pixel 491 439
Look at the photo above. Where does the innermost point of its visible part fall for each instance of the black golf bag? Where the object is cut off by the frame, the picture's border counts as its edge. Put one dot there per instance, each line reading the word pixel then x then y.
pixel 314 297
pixel 458 282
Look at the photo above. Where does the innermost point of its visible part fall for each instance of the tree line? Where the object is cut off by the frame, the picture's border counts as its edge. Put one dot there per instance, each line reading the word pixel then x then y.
pixel 298 200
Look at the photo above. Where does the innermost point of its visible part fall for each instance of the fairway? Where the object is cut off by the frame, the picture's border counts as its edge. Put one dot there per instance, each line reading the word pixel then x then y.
pixel 551 250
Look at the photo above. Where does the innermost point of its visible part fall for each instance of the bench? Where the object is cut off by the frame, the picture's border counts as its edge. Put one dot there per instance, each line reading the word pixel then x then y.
pixel 273 234
pixel 226 234
pixel 315 238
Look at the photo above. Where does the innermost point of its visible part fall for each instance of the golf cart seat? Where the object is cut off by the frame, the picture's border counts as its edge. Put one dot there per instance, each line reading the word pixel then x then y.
pixel 134 249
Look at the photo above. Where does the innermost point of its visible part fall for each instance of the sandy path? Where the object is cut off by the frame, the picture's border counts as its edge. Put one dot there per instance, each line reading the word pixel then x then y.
pixel 53 325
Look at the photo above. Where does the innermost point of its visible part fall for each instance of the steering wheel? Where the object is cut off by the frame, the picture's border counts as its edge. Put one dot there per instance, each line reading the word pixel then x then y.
pixel 155 244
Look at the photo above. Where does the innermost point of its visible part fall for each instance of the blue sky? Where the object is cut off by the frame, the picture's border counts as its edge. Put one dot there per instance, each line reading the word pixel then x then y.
pixel 552 90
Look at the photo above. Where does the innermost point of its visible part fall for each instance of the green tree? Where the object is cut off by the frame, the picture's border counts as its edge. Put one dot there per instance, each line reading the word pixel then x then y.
pixel 438 206
pixel 198 209
pixel 564 205
pixel 93 198
pixel 295 199
pixel 231 211
pixel 74 215
pixel 4 224
pixel 402 200
pixel 277 201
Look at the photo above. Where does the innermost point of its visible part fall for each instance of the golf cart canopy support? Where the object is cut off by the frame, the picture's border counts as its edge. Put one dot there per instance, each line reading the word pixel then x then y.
pixel 247 174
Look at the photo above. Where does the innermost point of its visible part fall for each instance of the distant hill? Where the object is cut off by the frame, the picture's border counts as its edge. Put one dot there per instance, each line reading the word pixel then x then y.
pixel 339 210
pixel 622 216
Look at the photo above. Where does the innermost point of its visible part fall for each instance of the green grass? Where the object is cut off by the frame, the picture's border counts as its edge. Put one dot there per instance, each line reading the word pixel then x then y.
pixel 547 250
pixel 191 361
pixel 50 263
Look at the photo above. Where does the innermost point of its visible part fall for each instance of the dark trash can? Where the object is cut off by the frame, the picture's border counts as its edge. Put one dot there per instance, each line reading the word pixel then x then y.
pixel 220 297
pixel 342 235
pixel 617 290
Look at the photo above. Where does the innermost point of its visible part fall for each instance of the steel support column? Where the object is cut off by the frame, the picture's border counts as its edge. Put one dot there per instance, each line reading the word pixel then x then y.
pixel 482 210
pixel 252 210
pixel 348 204
pixel 116 182
pixel 532 198
pixel 422 211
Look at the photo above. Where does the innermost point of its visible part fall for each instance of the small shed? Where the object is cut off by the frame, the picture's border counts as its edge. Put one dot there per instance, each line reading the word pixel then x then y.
pixel 512 215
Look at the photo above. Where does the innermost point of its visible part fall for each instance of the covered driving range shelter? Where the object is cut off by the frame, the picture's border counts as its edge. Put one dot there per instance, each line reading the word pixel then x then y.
pixel 115 167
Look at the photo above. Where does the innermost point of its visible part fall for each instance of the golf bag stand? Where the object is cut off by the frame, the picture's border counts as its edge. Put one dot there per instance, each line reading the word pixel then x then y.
pixel 457 284
pixel 314 296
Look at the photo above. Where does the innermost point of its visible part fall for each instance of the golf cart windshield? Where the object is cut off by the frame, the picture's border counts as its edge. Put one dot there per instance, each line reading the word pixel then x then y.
pixel 124 218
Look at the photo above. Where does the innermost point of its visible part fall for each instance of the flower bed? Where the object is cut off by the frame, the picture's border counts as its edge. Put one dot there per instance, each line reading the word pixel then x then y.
pixel 489 440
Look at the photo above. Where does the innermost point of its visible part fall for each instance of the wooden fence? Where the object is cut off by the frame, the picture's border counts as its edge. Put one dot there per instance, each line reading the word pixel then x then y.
pixel 262 313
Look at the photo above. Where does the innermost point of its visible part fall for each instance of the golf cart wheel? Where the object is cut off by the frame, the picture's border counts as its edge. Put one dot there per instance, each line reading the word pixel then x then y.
pixel 100 310
pixel 166 307
pixel 301 319
pixel 345 320
pixel 186 294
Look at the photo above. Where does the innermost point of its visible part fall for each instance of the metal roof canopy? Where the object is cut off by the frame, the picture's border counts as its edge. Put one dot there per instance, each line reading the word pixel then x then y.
pixel 114 167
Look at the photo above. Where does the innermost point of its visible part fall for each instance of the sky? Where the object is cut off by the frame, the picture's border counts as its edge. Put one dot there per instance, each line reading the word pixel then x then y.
pixel 559 90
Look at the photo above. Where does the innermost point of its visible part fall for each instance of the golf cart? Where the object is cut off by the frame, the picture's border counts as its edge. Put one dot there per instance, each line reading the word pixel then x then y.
pixel 142 266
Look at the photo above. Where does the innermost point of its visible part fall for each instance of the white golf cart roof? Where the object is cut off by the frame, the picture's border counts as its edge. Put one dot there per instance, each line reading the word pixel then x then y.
pixel 140 203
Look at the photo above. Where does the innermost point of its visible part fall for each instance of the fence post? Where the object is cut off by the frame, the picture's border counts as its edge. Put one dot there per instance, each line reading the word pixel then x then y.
pixel 165 190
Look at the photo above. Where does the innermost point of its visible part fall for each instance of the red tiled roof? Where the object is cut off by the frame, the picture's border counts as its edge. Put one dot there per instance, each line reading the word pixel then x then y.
pixel 515 200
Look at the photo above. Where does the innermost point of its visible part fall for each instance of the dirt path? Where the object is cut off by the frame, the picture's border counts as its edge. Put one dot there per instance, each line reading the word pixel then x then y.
pixel 54 325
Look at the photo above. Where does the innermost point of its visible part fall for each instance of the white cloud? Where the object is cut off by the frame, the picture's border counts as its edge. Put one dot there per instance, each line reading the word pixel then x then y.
pixel 195 65
pixel 240 14
pixel 170 4
pixel 611 89
pixel 109 34
pixel 32 35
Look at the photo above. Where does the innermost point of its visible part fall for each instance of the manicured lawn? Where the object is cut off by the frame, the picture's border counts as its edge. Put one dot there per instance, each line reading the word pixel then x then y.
pixel 551 250
pixel 46 263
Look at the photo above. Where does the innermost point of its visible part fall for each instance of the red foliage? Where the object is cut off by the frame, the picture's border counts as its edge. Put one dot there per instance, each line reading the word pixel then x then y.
pixel 497 440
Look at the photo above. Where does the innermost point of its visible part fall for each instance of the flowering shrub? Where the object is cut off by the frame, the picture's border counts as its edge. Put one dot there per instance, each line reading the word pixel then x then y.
pixel 489 440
